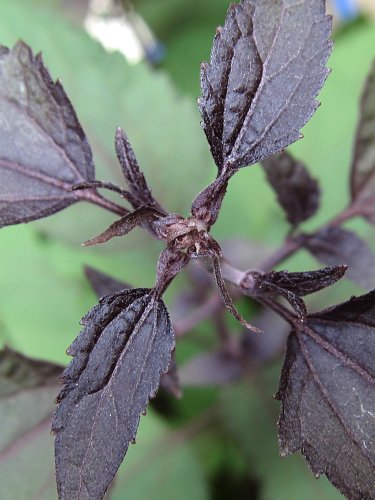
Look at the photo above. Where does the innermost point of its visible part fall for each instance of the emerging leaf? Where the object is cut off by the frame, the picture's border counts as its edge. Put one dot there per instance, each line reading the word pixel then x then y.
pixel 133 174
pixel 363 163
pixel 300 283
pixel 119 356
pixel 43 149
pixel 327 389
pixel 304 283
pixel 267 66
pixel 336 246
pixel 123 226
pixel 291 286
pixel 258 285
pixel 297 192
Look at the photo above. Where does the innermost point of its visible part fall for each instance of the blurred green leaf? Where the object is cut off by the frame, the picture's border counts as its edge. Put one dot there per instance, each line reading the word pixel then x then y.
pixel 249 414
pixel 27 391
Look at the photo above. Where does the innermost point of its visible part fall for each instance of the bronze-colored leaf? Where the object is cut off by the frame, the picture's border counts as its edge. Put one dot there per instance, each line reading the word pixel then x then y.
pixel 123 226
pixel 141 193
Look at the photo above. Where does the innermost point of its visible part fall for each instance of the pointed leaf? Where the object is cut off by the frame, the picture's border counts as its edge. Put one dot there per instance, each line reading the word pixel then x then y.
pixel 363 163
pixel 337 246
pixel 126 224
pixel 304 283
pixel 267 66
pixel 132 173
pixel 299 284
pixel 43 149
pixel 327 389
pixel 291 286
pixel 119 356
pixel 297 192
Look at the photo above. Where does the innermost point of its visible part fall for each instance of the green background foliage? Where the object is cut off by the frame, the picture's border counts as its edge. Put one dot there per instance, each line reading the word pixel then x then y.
pixel 216 443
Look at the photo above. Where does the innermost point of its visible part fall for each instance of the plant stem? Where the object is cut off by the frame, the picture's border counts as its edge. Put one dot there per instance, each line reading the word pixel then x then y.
pixel 293 243
pixel 97 199
pixel 350 212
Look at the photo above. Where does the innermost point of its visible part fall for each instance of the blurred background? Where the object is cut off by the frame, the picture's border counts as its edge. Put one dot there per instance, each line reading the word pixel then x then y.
pixel 136 65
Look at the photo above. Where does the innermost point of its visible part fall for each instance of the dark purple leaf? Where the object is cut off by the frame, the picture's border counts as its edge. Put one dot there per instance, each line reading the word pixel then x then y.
pixel 119 356
pixel 43 149
pixel 123 226
pixel 363 163
pixel 134 176
pixel 267 66
pixel 304 283
pixel 327 389
pixel 337 246
pixel 300 283
pixel 102 283
pixel 297 192
pixel 291 286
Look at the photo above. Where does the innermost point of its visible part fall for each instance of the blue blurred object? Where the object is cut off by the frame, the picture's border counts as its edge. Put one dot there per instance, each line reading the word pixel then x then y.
pixel 155 53
pixel 346 9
